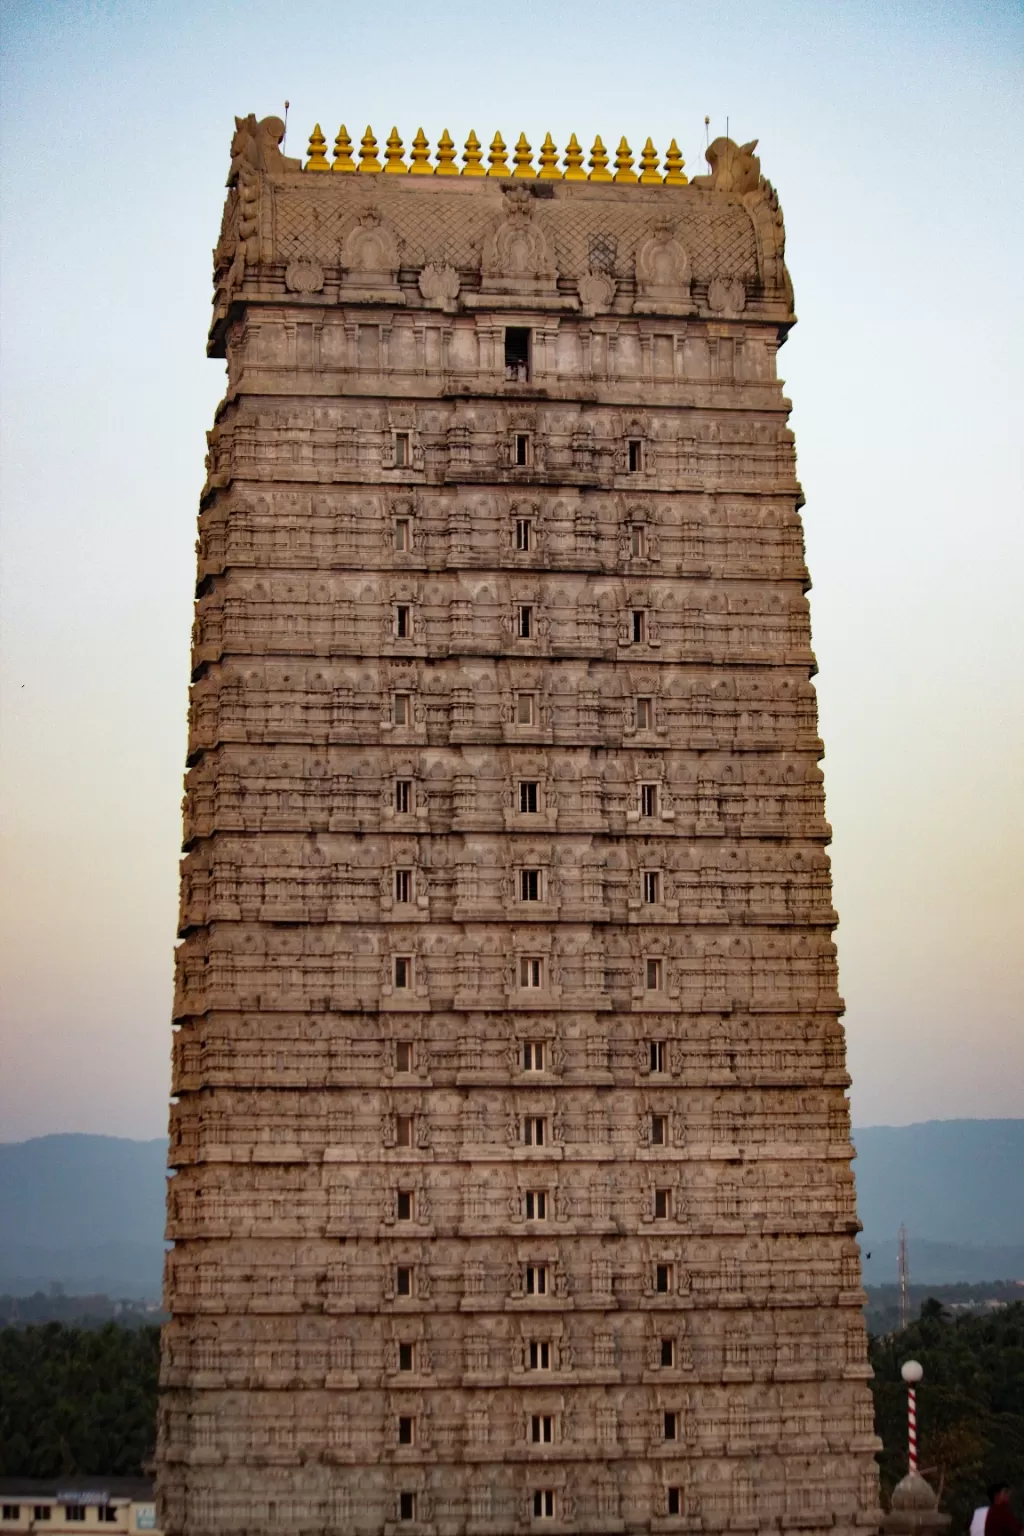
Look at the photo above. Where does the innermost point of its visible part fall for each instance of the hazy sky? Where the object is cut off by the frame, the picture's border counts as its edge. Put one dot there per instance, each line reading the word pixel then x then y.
pixel 893 134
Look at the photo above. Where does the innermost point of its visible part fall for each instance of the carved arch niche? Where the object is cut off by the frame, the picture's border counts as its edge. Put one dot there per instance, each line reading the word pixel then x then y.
pixel 662 273
pixel 370 259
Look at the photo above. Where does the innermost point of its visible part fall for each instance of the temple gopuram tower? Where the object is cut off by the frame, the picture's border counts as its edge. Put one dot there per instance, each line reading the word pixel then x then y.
pixel 512 1187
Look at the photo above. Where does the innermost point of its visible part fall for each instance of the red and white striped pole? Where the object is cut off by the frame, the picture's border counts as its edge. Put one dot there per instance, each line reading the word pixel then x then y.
pixel 912 1372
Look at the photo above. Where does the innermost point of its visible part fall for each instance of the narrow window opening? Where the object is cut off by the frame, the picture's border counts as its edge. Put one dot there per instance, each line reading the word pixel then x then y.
pixel 530 971
pixel 657 1055
pixel 636 455
pixel 517 354
pixel 659 1131
pixel 673 1504
pixel 663 1279
pixel 671 1421
pixel 542 1429
pixel 403 885
pixel 403 972
pixel 401 450
pixel 403 1205
pixel 652 887
pixel 403 621
pixel 403 796
pixel 524 534
pixel 405 1357
pixel 662 1204
pixel 544 1504
pixel 403 1130
pixel 403 1056
pixel 644 714
pixel 540 1355
pixel 648 800
pixel 407 1506
pixel 529 884
pixel 403 535
pixel 536 1279
pixel 536 1205
pixel 639 619
pixel 525 624
pixel 533 1056
pixel 529 797
pixel 403 708
pixel 524 708
pixel 668 1353
pixel 638 541
pixel 404 1430
pixel 403 1280
pixel 534 1131
pixel 522 448
pixel 653 975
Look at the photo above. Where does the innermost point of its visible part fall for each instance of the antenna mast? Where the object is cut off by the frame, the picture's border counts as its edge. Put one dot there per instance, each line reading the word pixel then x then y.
pixel 903 1272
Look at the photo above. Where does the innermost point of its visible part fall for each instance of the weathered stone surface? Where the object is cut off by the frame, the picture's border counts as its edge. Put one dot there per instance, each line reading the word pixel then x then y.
pixel 510 1136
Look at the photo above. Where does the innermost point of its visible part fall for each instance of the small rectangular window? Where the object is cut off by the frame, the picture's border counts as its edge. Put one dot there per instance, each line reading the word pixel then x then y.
pixel 407 1506
pixel 644 714
pixel 401 450
pixel 668 1353
pixel 529 885
pixel 403 1280
pixel 524 534
pixel 657 1056
pixel 536 1280
pixel 403 622
pixel 403 796
pixel 524 623
pixel 653 975
pixel 540 1355
pixel 403 1056
pixel 651 887
pixel 533 1056
pixel 536 1205
pixel 544 1504
pixel 522 448
pixel 635 452
pixel 663 1279
pixel 403 1205
pixel 529 797
pixel 525 708
pixel 638 541
pixel 517 354
pixel 403 972
pixel 534 1131
pixel 542 1428
pixel 671 1425
pixel 662 1204
pixel 403 885
pixel 639 626
pixel 672 1503
pixel 403 709
pixel 530 971
pixel 404 1430
pixel 648 799
pixel 403 1130
pixel 659 1131
pixel 403 535
pixel 405 1357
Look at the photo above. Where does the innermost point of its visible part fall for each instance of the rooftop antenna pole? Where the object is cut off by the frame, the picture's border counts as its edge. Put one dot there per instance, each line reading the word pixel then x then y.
pixel 284 136
pixel 903 1272
pixel 707 125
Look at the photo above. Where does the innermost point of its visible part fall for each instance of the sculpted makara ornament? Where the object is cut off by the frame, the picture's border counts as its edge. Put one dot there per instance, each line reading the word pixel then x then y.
pixel 512 1185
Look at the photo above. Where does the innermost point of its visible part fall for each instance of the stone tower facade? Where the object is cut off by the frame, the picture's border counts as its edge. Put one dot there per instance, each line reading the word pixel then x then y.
pixel 512 1186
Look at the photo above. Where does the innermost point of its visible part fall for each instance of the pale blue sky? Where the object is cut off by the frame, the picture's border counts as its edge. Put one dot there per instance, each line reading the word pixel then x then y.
pixel 893 134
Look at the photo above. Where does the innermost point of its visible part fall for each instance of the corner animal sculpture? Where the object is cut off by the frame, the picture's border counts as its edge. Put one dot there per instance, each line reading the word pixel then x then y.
pixel 257 145
pixel 734 167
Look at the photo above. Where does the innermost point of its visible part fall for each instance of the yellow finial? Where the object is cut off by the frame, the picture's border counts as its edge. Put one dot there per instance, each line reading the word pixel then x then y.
pixel 420 155
pixel 343 152
pixel 473 156
pixel 446 156
pixel 624 163
pixel 649 165
pixel 674 162
pixel 574 161
pixel 394 164
pixel 499 165
pixel 549 160
pixel 599 162
pixel 368 153
pixel 522 155
pixel 317 159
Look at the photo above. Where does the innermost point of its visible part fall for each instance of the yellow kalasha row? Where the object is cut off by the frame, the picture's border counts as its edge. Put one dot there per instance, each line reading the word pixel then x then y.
pixel 472 160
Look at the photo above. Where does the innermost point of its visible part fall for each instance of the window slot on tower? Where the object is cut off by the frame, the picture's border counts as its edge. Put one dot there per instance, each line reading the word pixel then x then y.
pixel 536 1205
pixel 405 1357
pixel 657 1057
pixel 517 354
pixel 522 448
pixel 403 621
pixel 637 541
pixel 403 1056
pixel 403 796
pixel 401 450
pixel 652 887
pixel 533 1056
pixel 524 534
pixel 525 623
pixel 644 714
pixel 529 797
pixel 403 885
pixel 529 884
pixel 638 621
pixel 403 535
pixel 635 455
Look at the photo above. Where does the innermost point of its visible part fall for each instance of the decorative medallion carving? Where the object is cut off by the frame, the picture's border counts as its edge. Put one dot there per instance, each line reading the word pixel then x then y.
pixel 726 296
pixel 596 290
pixel 662 273
pixel 304 275
pixel 439 286
pixel 370 259
pixel 517 255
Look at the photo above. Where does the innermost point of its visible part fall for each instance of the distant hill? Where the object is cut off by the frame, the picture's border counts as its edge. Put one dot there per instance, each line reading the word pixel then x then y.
pixel 956 1186
pixel 87 1212
pixel 84 1212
